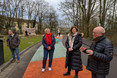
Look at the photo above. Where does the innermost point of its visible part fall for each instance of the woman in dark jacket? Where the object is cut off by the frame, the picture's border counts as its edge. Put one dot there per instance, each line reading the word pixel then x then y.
pixel 73 54
pixel 48 43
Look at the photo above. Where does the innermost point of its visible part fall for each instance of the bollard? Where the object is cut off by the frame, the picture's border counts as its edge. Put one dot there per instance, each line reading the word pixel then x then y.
pixel 1 52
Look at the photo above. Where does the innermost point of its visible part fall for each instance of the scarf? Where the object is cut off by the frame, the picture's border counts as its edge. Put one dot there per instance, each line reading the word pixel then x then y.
pixel 48 39
pixel 98 39
pixel 71 39
pixel 95 41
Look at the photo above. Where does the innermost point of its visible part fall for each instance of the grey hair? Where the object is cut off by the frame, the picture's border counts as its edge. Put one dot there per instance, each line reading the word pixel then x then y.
pixel 47 29
pixel 102 29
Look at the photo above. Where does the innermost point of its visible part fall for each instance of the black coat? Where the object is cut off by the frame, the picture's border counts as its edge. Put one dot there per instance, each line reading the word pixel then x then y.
pixel 73 58
pixel 99 62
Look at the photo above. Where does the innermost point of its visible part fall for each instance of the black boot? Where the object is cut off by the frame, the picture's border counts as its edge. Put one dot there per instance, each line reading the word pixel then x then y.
pixel 67 73
pixel 75 76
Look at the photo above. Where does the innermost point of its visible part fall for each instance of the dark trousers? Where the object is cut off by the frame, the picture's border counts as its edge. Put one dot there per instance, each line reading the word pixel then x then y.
pixel 46 52
pixel 69 70
pixel 96 75
pixel 69 64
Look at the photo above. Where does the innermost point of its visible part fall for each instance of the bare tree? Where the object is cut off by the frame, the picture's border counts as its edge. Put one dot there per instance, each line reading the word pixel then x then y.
pixel 41 9
pixel 29 9
pixel 79 12
pixel 105 6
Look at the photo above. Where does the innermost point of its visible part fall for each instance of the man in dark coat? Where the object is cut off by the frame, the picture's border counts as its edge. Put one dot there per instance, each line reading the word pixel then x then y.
pixel 100 54
pixel 13 42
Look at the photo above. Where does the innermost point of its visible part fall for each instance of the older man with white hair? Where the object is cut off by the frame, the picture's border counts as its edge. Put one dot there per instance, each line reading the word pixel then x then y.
pixel 100 54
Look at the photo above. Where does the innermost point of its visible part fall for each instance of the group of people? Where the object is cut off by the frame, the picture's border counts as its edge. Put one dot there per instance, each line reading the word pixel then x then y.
pixel 99 54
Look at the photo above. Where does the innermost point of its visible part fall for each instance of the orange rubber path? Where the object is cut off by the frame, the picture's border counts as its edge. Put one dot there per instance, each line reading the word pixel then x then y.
pixel 58 68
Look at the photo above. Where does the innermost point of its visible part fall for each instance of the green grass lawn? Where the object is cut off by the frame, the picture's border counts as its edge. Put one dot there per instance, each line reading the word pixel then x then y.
pixel 25 42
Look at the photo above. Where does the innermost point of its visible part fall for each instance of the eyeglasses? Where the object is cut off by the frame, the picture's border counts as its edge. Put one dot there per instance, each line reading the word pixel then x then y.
pixel 96 32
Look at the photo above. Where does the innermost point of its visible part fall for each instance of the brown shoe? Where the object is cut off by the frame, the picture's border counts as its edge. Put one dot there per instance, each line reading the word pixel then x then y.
pixel 13 61
pixel 18 61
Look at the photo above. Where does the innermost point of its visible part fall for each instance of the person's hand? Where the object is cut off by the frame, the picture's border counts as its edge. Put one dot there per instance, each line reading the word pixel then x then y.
pixel 82 49
pixel 70 49
pixel 89 52
pixel 49 48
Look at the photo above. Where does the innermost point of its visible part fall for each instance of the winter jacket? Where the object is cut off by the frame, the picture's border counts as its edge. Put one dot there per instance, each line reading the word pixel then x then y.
pixel 74 57
pixel 13 42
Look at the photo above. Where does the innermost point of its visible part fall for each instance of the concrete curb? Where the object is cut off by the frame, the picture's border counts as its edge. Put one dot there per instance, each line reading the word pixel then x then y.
pixel 5 65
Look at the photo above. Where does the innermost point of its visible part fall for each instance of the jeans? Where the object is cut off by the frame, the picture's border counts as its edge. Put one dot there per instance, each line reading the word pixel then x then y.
pixel 96 75
pixel 13 53
pixel 46 52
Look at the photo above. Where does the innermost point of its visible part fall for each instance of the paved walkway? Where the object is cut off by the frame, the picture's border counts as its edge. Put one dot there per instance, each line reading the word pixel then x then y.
pixel 35 66
pixel 15 70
